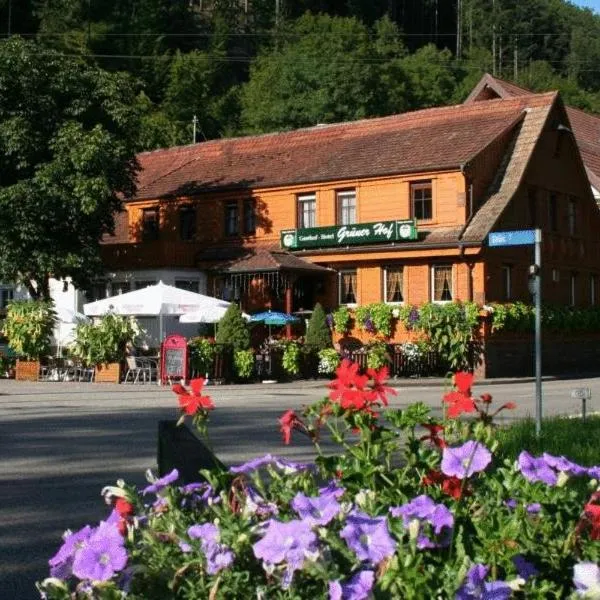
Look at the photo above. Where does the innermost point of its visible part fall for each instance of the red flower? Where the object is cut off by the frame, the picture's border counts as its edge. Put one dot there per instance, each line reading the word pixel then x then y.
pixel 122 526
pixel 124 508
pixel 451 486
pixel 460 400
pixel 193 401
pixel 379 378
pixel 288 422
pixel 592 514
pixel 486 398
pixel 433 437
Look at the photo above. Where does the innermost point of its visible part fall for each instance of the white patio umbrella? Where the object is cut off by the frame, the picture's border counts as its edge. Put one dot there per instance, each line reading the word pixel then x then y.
pixel 154 300
pixel 209 314
pixel 66 320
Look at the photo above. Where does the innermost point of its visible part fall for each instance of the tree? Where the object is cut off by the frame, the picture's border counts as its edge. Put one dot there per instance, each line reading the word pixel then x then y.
pixel 232 329
pixel 318 334
pixel 67 157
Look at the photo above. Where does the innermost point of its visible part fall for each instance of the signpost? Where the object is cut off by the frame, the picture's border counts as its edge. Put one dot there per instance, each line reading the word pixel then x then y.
pixel 583 394
pixel 528 237
pixel 349 235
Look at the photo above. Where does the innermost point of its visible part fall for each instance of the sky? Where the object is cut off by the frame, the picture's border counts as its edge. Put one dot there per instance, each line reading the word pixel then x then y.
pixel 593 4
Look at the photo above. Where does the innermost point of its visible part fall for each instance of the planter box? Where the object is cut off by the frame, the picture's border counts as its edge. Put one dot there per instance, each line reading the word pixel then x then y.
pixel 27 370
pixel 108 373
pixel 179 448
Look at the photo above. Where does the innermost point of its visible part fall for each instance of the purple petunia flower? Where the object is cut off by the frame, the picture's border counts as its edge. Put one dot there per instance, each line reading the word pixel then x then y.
pixel 586 577
pixel 463 461
pixel 61 564
pixel 534 508
pixel 560 463
pixel 511 503
pixel 425 510
pixel 358 587
pixel 316 510
pixel 525 569
pixel 333 489
pixel 368 537
pixel 287 466
pixel 102 555
pixel 257 505
pixel 218 556
pixel 536 469
pixel 207 533
pixel 288 543
pixel 476 588
pixel 158 485
pixel 198 494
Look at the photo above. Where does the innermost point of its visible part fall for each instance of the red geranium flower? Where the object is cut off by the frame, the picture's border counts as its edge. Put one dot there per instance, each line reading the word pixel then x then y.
pixel 288 422
pixel 192 401
pixel 434 437
pixel 592 514
pixel 460 401
pixel 379 378
pixel 451 486
pixel 123 507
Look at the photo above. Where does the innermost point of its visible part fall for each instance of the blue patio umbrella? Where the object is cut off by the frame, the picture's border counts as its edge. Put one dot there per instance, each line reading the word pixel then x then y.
pixel 271 317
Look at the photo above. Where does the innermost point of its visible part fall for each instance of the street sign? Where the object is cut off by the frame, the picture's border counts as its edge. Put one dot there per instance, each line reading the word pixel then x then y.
pixel 581 394
pixel 523 237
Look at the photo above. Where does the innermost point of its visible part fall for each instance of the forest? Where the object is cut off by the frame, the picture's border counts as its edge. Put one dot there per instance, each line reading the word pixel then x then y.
pixel 217 68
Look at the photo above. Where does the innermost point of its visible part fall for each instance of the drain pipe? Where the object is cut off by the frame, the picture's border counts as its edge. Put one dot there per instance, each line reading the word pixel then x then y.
pixel 461 244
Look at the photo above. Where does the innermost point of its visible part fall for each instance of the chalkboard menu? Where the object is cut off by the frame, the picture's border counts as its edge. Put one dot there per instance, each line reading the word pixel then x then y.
pixel 173 358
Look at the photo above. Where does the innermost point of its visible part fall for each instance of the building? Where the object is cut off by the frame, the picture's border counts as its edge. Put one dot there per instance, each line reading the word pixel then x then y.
pixel 394 209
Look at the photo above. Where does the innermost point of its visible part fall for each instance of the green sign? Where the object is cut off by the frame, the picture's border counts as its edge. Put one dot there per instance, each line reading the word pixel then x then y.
pixel 349 235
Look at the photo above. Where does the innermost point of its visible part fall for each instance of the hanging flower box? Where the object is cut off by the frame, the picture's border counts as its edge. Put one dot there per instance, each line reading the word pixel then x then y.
pixel 27 370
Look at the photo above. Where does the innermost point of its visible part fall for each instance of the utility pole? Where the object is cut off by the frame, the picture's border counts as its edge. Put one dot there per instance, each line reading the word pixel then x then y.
pixel 194 123
pixel 494 38
pixel 458 28
pixel 277 13
pixel 9 16
pixel 516 58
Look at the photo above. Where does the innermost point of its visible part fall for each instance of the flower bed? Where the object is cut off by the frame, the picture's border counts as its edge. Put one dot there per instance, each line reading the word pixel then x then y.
pixel 409 508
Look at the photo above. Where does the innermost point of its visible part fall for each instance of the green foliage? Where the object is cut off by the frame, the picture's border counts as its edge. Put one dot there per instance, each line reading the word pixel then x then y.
pixel 232 329
pixel 291 358
pixel 28 327
pixel 202 354
pixel 375 318
pixel 561 436
pixel 377 355
pixel 318 334
pixel 243 362
pixel 105 341
pixel 450 329
pixel 341 319
pixel 67 154
pixel 329 361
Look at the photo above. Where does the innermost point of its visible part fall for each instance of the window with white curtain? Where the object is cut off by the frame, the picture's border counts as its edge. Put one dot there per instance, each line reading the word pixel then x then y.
pixel 346 207
pixel 347 287
pixel 393 284
pixel 441 283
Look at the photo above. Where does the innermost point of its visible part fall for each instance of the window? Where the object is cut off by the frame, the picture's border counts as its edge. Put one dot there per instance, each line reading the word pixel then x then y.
pixel 249 216
pixel 593 284
pixel 139 285
pixel 346 207
pixel 6 295
pixel 532 206
pixel 555 275
pixel 307 211
pixel 552 213
pixel 347 287
pixel 573 287
pixel 393 284
pixel 187 223
pixel 231 218
pixel 507 281
pixel 421 198
pixel 191 285
pixel 572 216
pixel 120 287
pixel 441 283
pixel 150 224
pixel 98 291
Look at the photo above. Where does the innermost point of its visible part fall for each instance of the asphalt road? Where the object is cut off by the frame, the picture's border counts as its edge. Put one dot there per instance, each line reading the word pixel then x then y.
pixel 60 443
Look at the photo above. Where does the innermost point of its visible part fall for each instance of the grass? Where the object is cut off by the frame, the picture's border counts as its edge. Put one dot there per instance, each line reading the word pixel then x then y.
pixel 573 438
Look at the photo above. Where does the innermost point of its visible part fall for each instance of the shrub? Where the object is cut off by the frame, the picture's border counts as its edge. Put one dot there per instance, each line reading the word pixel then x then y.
pixel 243 362
pixel 410 507
pixel 318 334
pixel 28 327
pixel 376 318
pixel 377 355
pixel 105 341
pixel 202 354
pixel 329 361
pixel 233 330
pixel 341 319
pixel 290 360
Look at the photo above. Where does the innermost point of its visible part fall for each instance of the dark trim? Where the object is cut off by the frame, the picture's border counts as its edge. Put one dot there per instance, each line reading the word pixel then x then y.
pixel 371 249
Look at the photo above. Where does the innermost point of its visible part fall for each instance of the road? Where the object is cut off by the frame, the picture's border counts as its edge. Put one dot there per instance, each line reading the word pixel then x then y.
pixel 61 443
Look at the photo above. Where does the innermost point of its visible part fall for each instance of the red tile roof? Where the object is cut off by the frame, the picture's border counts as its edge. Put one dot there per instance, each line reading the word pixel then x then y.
pixel 585 126
pixel 425 140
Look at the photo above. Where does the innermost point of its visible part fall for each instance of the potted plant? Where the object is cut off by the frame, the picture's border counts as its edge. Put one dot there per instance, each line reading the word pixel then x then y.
pixel 103 345
pixel 28 328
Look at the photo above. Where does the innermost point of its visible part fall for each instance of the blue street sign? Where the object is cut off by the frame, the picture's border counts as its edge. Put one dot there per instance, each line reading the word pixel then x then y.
pixel 524 237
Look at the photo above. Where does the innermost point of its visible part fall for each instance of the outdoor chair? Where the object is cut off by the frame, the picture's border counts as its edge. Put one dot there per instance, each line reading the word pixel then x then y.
pixel 140 368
